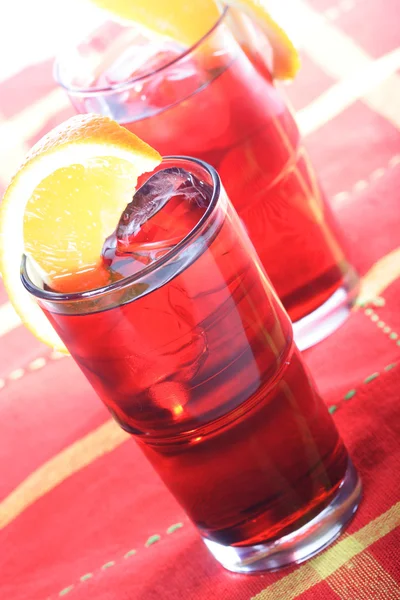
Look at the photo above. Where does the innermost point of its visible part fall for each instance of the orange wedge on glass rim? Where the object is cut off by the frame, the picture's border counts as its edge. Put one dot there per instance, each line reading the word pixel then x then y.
pixel 61 205
pixel 187 21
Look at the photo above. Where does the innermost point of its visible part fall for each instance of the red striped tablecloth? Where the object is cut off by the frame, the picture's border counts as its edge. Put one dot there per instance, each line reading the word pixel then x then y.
pixel 82 514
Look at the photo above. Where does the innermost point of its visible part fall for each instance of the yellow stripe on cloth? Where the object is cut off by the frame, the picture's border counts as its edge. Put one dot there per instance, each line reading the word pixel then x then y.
pixel 371 81
pixel 381 275
pixel 342 58
pixel 338 555
pixel 72 459
pixel 364 578
pixel 327 563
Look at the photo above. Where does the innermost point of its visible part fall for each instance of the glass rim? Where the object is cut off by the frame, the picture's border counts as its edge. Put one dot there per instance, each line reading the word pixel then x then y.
pixel 117 87
pixel 60 297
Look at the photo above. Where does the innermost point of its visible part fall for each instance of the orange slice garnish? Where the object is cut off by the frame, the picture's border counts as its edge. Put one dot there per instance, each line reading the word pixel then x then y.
pixel 187 21
pixel 62 204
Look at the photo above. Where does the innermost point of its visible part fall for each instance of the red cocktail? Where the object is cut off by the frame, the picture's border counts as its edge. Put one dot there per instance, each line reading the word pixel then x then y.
pixel 192 352
pixel 217 102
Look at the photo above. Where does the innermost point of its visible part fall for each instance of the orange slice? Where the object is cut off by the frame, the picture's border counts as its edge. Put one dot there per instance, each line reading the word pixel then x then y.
pixel 62 204
pixel 189 20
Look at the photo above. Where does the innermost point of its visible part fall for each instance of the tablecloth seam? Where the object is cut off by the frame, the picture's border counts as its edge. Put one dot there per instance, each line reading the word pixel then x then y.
pixel 34 365
pixel 386 329
pixel 151 540
pixel 364 183
pixel 351 393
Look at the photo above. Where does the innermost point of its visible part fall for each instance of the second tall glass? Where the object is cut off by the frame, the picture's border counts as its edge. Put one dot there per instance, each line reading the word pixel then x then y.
pixel 217 101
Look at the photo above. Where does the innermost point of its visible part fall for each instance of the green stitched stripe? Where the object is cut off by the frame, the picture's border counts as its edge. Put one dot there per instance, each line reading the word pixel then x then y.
pixel 152 540
pixel 391 366
pixel 371 377
pixel 174 527
pixel 66 591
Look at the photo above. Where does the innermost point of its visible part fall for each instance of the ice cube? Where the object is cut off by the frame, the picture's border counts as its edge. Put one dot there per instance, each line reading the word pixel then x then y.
pixel 147 76
pixel 141 57
pixel 162 212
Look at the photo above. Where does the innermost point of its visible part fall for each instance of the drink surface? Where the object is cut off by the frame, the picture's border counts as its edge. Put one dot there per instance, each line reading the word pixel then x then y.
pixel 197 362
pixel 224 108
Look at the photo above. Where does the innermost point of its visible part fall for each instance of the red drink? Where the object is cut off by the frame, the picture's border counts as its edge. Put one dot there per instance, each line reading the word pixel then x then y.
pixel 194 356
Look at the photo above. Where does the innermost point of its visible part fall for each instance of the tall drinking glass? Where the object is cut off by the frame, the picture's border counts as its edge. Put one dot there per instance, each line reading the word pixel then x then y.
pixel 217 101
pixel 194 356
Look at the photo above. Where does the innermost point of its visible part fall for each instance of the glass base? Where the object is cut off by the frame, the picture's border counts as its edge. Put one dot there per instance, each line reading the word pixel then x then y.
pixel 324 320
pixel 301 544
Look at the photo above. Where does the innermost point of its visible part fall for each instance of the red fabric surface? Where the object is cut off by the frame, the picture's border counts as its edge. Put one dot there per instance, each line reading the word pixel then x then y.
pixel 73 540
